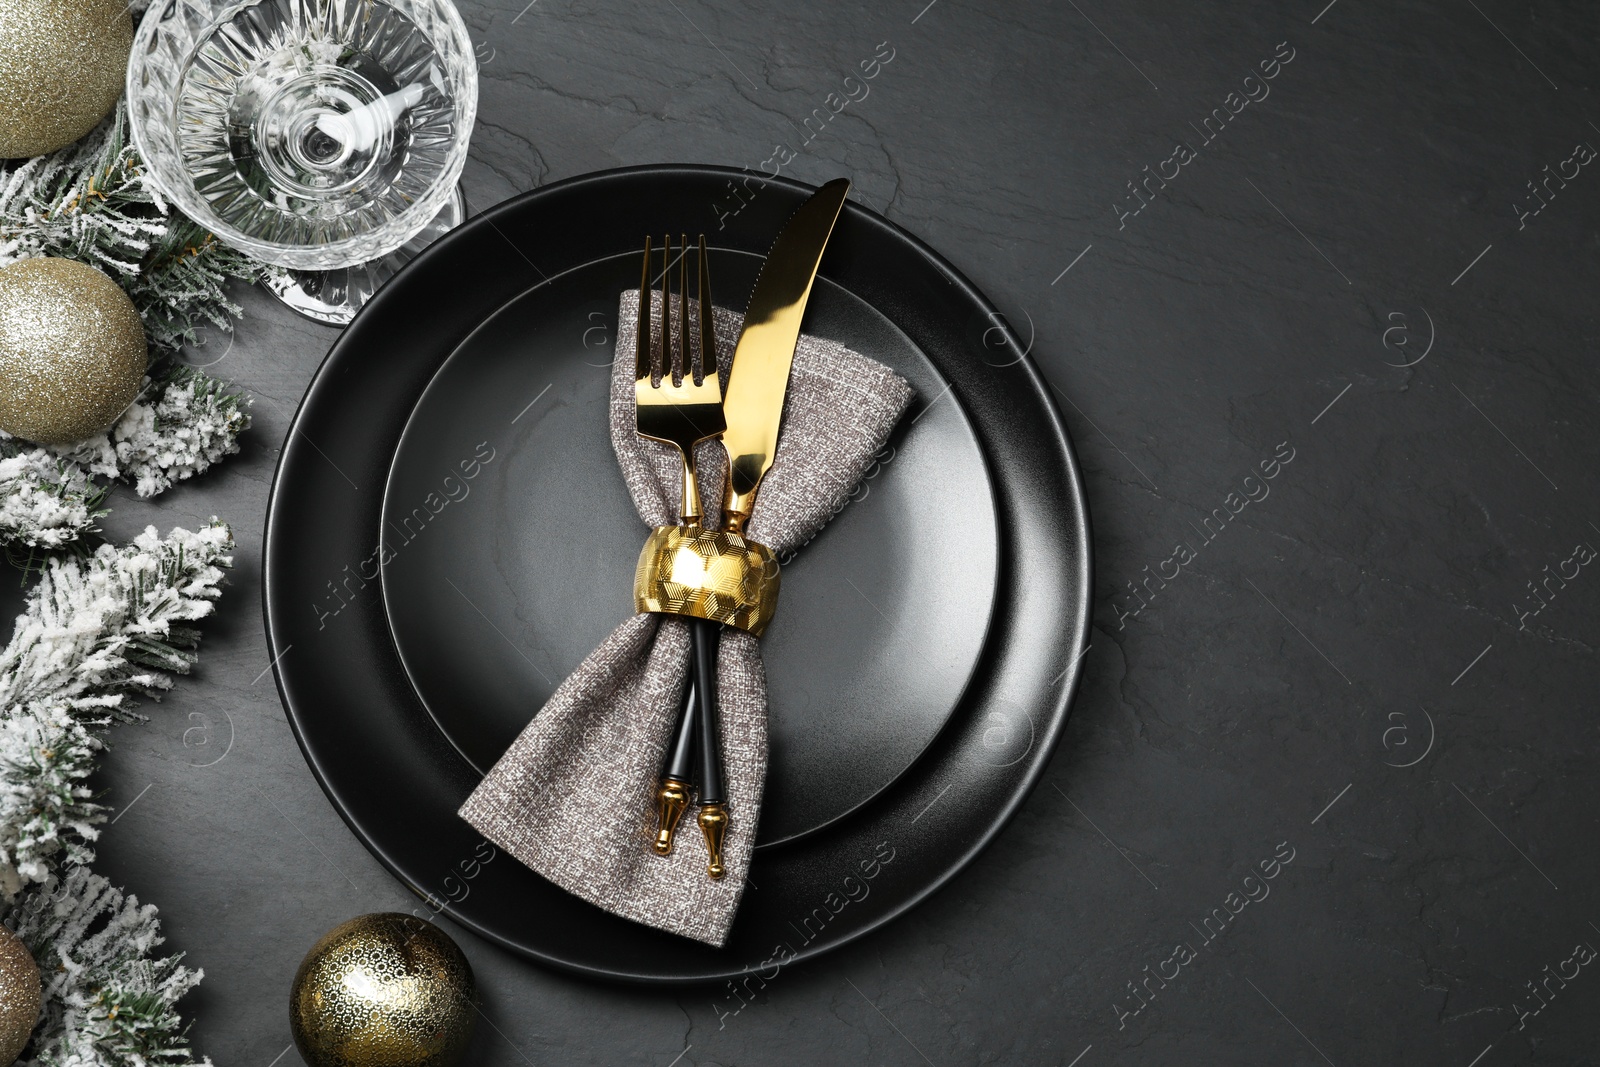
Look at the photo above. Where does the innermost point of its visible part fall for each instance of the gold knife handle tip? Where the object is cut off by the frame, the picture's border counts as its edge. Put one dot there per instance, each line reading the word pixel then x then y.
pixel 713 820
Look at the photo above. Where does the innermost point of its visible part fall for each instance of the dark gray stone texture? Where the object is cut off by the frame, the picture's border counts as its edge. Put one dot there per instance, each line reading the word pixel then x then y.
pixel 1372 610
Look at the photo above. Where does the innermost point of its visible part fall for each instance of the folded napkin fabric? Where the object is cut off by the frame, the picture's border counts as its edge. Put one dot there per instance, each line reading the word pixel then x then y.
pixel 574 796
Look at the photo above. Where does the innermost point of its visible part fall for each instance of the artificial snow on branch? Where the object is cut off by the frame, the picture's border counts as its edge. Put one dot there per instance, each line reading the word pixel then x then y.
pixel 97 633
pixel 45 502
pixel 189 422
pixel 104 627
pixel 107 1001
pixel 90 202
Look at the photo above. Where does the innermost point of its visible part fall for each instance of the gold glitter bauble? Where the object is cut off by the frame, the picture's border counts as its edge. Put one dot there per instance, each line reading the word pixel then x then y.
pixel 384 990
pixel 62 67
pixel 72 350
pixel 19 996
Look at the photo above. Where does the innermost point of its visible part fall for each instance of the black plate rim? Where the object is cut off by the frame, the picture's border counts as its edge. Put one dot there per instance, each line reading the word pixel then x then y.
pixel 1080 608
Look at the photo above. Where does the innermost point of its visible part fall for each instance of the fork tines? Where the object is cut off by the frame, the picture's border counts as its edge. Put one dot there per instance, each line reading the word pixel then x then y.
pixel 668 354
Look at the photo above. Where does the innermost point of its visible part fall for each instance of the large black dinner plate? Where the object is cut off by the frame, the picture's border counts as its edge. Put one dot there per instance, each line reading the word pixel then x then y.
pixel 397 777
pixel 497 586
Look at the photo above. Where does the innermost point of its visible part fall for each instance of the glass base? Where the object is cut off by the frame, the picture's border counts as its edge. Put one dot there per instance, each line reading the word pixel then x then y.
pixel 333 297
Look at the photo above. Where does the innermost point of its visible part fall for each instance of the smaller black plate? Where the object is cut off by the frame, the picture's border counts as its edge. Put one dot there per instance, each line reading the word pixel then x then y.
pixel 500 584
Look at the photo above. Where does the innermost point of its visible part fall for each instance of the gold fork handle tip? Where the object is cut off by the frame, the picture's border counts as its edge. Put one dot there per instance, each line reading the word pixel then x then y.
pixel 672 800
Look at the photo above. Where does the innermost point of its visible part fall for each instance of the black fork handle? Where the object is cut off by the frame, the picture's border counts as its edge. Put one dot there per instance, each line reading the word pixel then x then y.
pixel 681 756
pixel 674 791
pixel 709 778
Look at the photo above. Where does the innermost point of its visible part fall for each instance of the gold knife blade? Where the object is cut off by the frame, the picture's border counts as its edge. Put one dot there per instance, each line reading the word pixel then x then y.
pixel 759 378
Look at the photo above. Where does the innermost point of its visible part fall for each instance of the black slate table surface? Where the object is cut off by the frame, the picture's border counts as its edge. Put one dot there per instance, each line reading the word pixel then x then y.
pixel 1316 285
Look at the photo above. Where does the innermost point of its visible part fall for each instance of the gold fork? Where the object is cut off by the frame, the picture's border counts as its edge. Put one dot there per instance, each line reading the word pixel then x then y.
pixel 683 406
pixel 672 407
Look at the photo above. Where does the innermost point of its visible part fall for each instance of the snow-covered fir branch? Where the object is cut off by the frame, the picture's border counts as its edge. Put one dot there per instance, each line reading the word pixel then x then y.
pixel 92 202
pixel 183 422
pixel 47 814
pixel 86 201
pixel 108 1002
pixel 97 632
pixel 103 628
pixel 45 502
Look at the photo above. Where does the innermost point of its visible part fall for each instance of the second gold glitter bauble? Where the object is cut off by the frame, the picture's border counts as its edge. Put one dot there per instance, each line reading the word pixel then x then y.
pixel 385 990
pixel 62 66
pixel 72 350
pixel 19 996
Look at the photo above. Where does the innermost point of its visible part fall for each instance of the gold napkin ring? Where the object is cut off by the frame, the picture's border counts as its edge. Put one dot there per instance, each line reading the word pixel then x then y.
pixel 709 574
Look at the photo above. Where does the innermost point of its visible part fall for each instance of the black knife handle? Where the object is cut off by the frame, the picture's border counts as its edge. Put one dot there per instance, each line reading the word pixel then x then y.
pixel 713 817
pixel 708 748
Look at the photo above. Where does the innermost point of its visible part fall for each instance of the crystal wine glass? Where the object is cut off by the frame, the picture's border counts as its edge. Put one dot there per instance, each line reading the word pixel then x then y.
pixel 325 137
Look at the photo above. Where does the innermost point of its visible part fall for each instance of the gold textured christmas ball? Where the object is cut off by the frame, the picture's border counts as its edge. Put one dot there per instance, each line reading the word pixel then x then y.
pixel 62 65
pixel 19 996
pixel 385 990
pixel 72 350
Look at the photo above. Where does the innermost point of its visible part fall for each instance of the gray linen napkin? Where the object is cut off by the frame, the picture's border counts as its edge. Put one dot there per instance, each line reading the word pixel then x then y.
pixel 573 797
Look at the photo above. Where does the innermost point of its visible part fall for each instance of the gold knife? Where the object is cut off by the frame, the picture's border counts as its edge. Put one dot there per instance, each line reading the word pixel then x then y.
pixel 759 378
pixel 758 382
